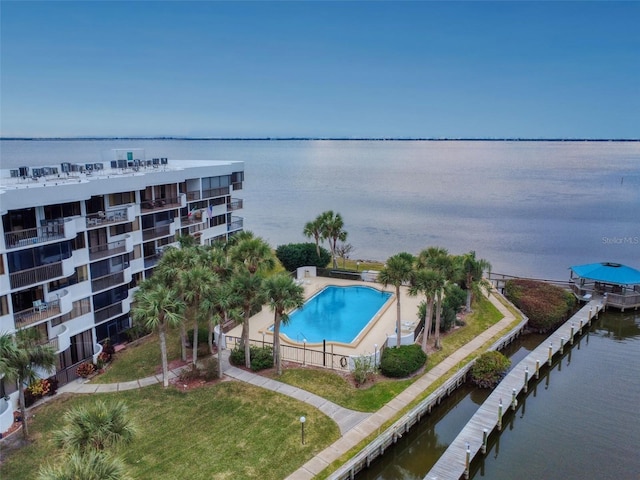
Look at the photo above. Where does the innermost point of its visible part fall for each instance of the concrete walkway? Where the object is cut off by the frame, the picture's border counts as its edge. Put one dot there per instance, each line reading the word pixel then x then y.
pixel 345 418
pixel 373 424
pixel 354 426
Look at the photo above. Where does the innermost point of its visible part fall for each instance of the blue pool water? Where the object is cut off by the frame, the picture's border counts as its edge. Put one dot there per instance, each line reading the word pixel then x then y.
pixel 335 314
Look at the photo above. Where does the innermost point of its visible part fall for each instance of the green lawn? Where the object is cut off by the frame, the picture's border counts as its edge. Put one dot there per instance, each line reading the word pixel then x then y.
pixel 140 361
pixel 230 430
pixel 333 387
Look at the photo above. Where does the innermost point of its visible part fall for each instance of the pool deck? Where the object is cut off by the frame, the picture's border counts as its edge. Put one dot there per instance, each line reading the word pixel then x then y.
pixel 376 333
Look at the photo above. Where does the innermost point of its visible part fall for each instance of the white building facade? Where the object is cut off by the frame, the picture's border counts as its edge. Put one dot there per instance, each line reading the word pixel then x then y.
pixel 78 239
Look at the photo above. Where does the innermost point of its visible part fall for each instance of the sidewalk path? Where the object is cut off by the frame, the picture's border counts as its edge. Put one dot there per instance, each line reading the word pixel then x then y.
pixel 345 418
pixel 354 426
pixel 373 424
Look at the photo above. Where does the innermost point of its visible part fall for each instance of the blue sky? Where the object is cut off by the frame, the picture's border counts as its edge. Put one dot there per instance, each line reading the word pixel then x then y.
pixel 325 69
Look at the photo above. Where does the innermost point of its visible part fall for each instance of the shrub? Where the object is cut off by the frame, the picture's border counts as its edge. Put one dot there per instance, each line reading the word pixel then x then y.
pixel 137 330
pixel 489 369
pixel 189 373
pixel 85 369
pixel 209 370
pixel 294 255
pixel 261 358
pixel 203 336
pixel 104 357
pixel 108 349
pixel 364 368
pixel 546 305
pixel 402 361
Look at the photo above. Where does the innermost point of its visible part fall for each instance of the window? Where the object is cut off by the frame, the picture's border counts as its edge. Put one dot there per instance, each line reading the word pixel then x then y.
pixel 80 307
pixel 120 229
pixel 4 305
pixel 122 198
pixel 79 242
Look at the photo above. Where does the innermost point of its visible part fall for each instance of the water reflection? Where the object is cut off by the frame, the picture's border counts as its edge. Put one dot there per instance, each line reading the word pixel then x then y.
pixel 549 419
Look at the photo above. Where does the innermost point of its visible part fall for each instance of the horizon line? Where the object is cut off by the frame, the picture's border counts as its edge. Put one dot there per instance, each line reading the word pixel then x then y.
pixel 429 139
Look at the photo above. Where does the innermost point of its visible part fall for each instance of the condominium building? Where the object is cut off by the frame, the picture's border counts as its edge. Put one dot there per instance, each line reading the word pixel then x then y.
pixel 77 240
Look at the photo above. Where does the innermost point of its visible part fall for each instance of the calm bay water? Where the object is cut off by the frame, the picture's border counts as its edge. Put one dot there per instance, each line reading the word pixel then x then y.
pixel 580 421
pixel 530 208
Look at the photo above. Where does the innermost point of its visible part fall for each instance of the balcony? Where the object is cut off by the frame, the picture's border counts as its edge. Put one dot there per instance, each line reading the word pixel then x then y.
pixel 111 280
pixel 39 312
pixel 99 252
pixel 215 192
pixel 235 204
pixel 235 224
pixel 191 196
pixel 107 312
pixel 151 260
pixel 61 340
pixel 165 203
pixel 50 231
pixel 36 275
pixel 107 218
pixel 157 232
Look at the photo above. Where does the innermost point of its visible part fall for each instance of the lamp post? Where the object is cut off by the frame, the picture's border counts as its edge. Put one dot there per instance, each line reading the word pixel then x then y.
pixel 302 420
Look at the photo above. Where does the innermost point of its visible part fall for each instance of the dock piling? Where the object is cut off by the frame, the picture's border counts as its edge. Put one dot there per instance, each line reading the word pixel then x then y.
pixel 572 330
pixel 550 353
pixel 467 462
pixel 561 345
pixel 514 402
pixel 500 415
pixel 485 436
pixel 526 379
pixel 537 369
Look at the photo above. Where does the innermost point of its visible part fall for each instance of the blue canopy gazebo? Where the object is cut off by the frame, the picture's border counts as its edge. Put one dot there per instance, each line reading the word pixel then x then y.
pixel 619 283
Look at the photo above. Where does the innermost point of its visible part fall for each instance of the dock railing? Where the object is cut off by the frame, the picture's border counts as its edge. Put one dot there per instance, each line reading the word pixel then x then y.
pixel 403 424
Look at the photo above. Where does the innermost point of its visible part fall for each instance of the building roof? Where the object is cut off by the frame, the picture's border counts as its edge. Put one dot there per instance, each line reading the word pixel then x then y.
pixel 606 272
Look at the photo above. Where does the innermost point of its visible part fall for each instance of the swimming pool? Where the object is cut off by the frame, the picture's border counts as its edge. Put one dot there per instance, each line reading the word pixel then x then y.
pixel 335 313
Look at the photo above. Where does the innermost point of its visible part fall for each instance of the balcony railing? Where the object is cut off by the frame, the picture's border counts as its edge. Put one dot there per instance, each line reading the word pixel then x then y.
pixel 236 223
pixel 30 236
pixel 106 218
pixel 156 232
pixel 215 192
pixel 107 312
pixel 107 281
pixel 193 196
pixel 235 204
pixel 106 250
pixel 36 275
pixel 237 186
pixel 151 260
pixel 39 312
pixel 161 204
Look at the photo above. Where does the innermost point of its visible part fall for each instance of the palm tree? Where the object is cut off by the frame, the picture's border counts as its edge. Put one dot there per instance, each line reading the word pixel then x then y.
pixel 7 349
pixel 196 284
pixel 173 263
pixel 95 427
pixel 22 362
pixel 472 269
pixel 283 295
pixel 427 282
pixel 397 270
pixel 250 256
pixel 315 229
pixel 333 231
pixel 249 289
pixel 89 466
pixel 158 306
pixel 438 259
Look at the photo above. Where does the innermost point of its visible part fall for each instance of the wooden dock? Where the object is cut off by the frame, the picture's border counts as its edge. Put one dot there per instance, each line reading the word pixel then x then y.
pixel 454 463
